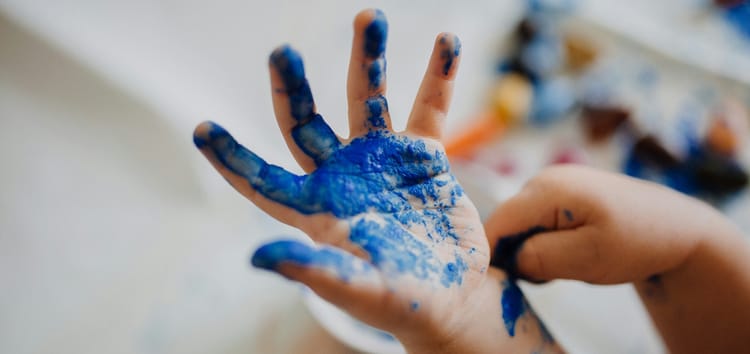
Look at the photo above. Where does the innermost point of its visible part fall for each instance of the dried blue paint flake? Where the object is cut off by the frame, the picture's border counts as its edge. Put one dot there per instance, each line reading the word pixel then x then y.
pixel 513 305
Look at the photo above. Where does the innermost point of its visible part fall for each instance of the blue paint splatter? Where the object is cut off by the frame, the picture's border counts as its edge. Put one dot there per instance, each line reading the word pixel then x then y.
pixel 376 35
pixel 449 55
pixel 271 255
pixel 568 214
pixel 506 252
pixel 414 305
pixel 513 305
pixel 292 71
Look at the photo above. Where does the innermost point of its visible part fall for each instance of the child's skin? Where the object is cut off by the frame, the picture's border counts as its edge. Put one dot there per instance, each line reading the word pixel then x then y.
pixel 399 245
pixel 689 264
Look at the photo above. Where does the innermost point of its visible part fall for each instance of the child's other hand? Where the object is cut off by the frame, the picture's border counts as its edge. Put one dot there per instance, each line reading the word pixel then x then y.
pixel 574 222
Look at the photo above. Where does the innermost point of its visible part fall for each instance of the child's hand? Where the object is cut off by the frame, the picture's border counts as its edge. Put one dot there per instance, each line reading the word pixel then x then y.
pixel 574 222
pixel 404 247
pixel 690 266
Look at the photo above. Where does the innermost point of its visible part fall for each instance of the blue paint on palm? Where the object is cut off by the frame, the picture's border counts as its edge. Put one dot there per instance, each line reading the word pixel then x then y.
pixel 513 305
pixel 401 179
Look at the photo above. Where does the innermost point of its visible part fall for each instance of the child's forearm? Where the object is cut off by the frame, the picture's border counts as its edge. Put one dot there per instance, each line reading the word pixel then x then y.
pixel 703 306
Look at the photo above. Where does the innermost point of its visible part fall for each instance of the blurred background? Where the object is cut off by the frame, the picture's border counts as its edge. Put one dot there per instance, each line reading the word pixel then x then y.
pixel 116 236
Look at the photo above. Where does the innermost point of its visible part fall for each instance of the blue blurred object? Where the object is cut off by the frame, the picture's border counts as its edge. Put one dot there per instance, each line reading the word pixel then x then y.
pixel 739 16
pixel 552 99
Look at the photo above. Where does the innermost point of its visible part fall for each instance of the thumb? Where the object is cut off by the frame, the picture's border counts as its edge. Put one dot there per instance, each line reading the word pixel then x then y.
pixel 541 255
pixel 334 274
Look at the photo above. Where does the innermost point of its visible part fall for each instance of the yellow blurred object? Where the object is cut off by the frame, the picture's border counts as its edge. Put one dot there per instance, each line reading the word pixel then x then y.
pixel 511 98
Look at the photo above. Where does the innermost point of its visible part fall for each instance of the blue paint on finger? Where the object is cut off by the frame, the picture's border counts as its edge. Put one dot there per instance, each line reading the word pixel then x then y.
pixel 376 107
pixel 568 214
pixel 316 139
pixel 292 71
pixel 449 54
pixel 271 255
pixel 513 305
pixel 376 73
pixel 376 35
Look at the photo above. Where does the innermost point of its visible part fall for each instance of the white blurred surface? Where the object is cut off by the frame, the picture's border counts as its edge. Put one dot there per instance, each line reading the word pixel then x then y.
pixel 116 236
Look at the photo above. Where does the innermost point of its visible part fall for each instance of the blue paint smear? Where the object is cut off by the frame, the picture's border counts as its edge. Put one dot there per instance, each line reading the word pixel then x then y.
pixel 376 73
pixel 449 55
pixel 568 214
pixel 376 35
pixel 292 71
pixel 506 252
pixel 513 305
pixel 271 255
pixel 316 139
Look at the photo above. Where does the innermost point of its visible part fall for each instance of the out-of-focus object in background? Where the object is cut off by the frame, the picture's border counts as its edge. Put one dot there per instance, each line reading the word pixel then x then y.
pixel 737 13
pixel 707 169
pixel 535 80
pixel 510 102
pixel 601 121
pixel 728 128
